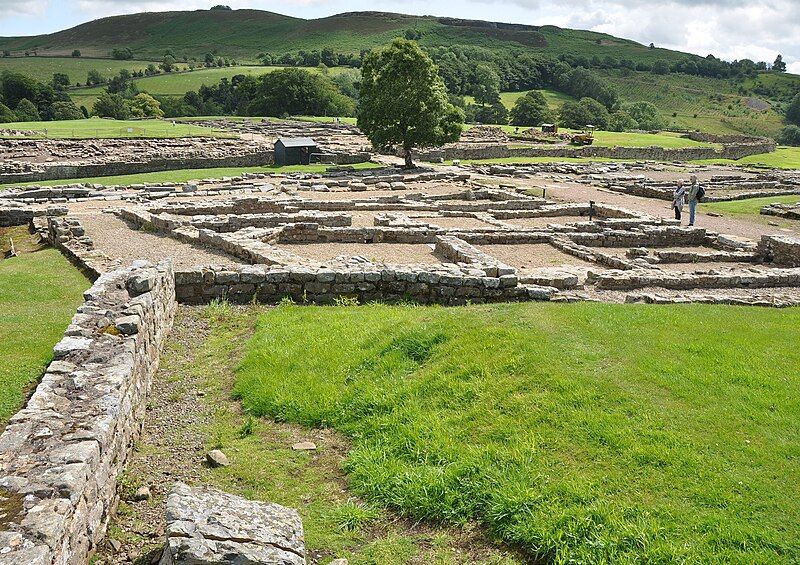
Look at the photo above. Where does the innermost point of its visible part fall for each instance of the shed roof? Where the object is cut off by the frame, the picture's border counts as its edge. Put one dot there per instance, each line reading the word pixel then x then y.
pixel 297 142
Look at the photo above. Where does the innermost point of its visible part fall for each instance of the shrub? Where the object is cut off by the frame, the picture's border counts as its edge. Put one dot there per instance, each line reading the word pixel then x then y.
pixel 793 112
pixel 790 136
pixel 491 114
pixel 587 111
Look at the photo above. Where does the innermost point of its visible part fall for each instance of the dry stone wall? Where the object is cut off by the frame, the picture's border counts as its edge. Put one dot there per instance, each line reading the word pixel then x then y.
pixel 60 456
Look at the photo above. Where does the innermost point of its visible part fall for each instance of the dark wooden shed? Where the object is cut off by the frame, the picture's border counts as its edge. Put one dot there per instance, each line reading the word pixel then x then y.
pixel 294 150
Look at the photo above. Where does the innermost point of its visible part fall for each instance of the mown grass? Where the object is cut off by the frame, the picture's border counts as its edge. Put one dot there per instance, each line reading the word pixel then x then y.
pixel 782 158
pixel 185 175
pixel 108 128
pixel 589 433
pixel 39 292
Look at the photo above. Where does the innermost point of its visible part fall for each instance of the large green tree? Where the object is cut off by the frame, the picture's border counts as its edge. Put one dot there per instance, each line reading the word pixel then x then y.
pixel 646 115
pixel 531 110
pixel 404 101
pixel 110 105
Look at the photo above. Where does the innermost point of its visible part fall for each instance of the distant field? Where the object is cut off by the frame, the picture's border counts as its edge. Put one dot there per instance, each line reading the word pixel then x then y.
pixel 105 128
pixel 43 68
pixel 39 292
pixel 637 445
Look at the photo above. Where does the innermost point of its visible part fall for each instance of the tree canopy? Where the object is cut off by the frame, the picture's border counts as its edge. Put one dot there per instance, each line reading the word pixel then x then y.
pixel 404 102
pixel 531 110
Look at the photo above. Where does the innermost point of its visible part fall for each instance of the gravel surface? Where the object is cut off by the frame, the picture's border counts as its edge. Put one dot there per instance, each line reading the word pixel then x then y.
pixel 397 253
pixel 118 240
pixel 543 222
pixel 532 256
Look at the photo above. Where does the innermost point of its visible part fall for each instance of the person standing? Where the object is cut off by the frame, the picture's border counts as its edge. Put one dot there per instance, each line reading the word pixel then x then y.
pixel 694 197
pixel 678 199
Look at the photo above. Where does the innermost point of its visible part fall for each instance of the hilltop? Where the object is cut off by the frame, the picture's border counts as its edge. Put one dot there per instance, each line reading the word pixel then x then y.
pixel 243 34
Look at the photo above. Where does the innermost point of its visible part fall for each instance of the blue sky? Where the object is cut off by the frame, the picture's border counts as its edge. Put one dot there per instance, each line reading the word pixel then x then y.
pixel 727 28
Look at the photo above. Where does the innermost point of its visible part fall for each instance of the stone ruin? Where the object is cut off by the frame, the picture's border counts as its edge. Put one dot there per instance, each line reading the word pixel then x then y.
pixel 449 236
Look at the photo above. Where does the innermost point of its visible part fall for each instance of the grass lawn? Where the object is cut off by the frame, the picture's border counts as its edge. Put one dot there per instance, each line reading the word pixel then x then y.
pixel 782 158
pixel 185 175
pixel 39 292
pixel 532 160
pixel 586 433
pixel 751 205
pixel 107 128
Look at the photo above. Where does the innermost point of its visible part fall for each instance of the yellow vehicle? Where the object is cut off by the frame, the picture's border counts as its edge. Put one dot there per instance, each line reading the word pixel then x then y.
pixel 586 137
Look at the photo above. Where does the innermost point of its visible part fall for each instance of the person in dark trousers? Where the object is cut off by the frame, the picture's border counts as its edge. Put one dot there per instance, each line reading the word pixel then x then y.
pixel 693 198
pixel 678 199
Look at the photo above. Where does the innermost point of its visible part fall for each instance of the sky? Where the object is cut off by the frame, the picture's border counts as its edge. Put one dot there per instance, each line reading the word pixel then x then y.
pixel 730 29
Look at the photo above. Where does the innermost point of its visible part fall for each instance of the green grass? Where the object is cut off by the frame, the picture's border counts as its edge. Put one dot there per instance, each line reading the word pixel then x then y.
pixel 39 293
pixel 587 433
pixel 782 158
pixel 530 160
pixel 107 128
pixel 264 467
pixel 185 175
pixel 750 209
pixel 43 68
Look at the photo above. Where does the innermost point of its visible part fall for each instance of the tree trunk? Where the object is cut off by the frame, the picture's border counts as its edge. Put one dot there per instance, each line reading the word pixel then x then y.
pixel 409 162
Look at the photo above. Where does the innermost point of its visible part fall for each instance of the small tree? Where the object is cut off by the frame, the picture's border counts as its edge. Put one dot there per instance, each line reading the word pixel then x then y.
pixel 646 115
pixel 793 112
pixel 490 114
pixel 76 53
pixel 60 81
pixel 660 67
pixel 26 111
pixel 531 110
pixel 577 115
pixel 168 64
pixel 93 77
pixel 145 106
pixel 404 102
pixel 779 65
pixel 621 121
pixel 110 105
pixel 65 111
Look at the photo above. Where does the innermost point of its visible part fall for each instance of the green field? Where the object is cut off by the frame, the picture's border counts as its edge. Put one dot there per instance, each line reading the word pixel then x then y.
pixel 588 433
pixel 185 175
pixel 39 292
pixel 751 209
pixel 108 128
pixel 43 68
pixel 782 158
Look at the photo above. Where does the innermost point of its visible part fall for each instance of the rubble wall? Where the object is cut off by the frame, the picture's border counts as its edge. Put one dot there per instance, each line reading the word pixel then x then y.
pixel 61 455
pixel 729 151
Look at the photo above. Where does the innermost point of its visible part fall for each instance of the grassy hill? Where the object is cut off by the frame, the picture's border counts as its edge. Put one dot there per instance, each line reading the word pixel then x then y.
pixel 243 34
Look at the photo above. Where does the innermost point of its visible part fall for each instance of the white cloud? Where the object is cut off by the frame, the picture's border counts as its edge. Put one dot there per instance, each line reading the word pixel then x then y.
pixel 12 8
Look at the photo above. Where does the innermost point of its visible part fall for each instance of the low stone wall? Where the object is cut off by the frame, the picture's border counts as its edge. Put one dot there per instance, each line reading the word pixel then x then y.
pixel 629 280
pixel 733 151
pixel 13 214
pixel 60 456
pixel 780 249
pixel 424 284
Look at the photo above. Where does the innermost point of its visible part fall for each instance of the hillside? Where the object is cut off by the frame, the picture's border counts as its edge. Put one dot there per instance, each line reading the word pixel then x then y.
pixel 243 34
